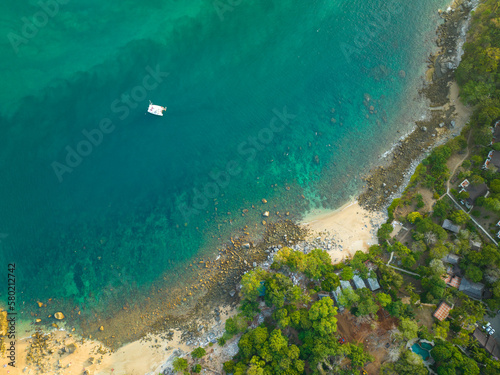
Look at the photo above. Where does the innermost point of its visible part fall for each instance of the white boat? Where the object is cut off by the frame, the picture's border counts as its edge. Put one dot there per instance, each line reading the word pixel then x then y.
pixel 156 109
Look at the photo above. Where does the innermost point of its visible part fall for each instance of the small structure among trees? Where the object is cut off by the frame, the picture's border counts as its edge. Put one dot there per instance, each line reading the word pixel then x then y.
pixel 448 225
pixel 475 191
pixel 358 281
pixel 373 283
pixel 487 342
pixel 472 289
pixel 442 311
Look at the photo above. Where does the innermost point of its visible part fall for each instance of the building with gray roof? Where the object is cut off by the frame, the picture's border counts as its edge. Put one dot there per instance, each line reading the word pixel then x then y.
pixel 335 294
pixel 373 284
pixel 345 284
pixel 358 281
pixel 472 289
pixel 451 258
pixel 448 225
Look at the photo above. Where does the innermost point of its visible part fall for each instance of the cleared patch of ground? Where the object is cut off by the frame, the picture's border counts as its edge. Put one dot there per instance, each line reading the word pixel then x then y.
pixel 375 335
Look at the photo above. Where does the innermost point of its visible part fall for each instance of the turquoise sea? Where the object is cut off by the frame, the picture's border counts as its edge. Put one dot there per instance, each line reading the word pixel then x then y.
pixel 266 99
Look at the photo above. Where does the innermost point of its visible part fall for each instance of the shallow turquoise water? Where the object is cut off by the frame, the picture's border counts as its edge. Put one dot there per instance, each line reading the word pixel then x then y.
pixel 250 92
pixel 426 345
pixel 421 351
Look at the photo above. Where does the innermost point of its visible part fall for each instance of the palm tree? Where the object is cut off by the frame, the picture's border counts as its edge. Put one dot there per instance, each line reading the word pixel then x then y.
pixel 410 288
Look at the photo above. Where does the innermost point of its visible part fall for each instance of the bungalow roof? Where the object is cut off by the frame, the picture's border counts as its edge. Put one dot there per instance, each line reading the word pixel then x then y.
pixel 455 282
pixel 475 245
pixel 495 158
pixel 358 282
pixel 496 132
pixel 442 311
pixel 472 289
pixel 373 283
pixel 448 225
pixel 451 258
pixel 345 284
pixel 487 342
pixel 335 294
pixel 476 191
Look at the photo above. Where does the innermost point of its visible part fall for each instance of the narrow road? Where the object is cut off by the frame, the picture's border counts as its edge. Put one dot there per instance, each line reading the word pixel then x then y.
pixel 399 269
pixel 456 166
pixel 453 199
pixel 390 259
pixel 473 220
pixel 403 270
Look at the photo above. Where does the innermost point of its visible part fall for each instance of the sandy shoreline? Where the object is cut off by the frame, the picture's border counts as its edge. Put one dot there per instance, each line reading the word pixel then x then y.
pixel 150 355
pixel 349 229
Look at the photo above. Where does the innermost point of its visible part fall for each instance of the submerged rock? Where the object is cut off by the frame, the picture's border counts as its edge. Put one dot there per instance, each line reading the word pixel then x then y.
pixel 59 315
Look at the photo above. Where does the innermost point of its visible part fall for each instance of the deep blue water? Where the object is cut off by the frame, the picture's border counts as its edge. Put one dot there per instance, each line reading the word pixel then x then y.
pixel 261 96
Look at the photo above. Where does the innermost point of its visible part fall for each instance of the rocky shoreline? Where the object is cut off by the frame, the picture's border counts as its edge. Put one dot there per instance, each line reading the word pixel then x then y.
pixel 383 182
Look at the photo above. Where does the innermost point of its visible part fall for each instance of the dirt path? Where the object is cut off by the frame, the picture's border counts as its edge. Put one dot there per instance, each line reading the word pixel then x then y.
pixel 457 164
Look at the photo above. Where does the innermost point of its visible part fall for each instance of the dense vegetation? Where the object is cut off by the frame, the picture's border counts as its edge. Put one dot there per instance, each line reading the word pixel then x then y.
pixel 478 72
pixel 299 334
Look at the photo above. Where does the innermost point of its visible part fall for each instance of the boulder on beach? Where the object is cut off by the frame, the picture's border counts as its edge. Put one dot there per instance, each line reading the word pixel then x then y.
pixel 71 348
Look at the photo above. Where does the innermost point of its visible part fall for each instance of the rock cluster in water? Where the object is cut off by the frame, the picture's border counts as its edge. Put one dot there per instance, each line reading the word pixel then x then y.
pixel 385 181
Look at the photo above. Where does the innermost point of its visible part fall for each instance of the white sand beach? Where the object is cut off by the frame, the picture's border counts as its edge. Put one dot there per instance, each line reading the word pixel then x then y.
pixel 351 227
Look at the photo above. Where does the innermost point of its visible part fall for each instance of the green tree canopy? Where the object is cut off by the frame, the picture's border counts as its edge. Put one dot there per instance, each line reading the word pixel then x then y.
pixel 330 282
pixel 384 299
pixel 408 363
pixel 413 216
pixel 180 364
pixel 263 353
pixel 348 298
pixel 251 283
pixel 198 352
pixel 408 328
pixel 347 273
pixel 474 273
pixel 459 217
pixel 317 264
pixel 322 315
pixel 366 305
